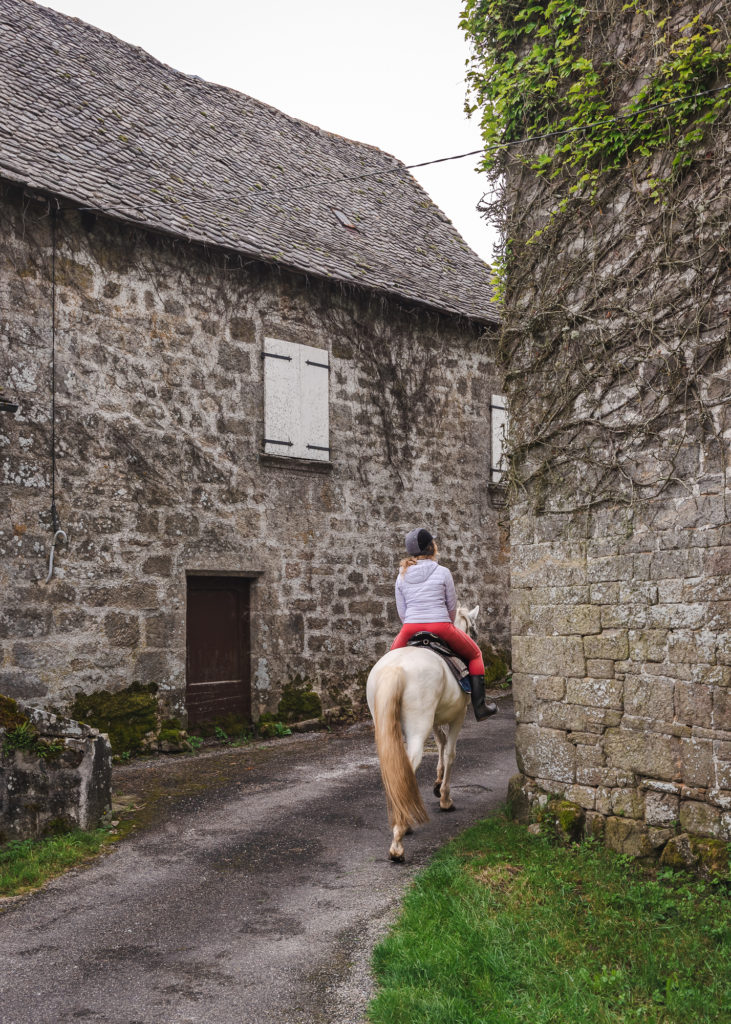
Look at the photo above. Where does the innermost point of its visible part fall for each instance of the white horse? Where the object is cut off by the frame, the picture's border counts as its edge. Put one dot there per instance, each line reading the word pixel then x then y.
pixel 412 691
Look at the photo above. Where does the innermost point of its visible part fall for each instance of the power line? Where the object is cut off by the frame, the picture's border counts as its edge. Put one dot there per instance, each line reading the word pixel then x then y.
pixel 575 128
pixel 502 145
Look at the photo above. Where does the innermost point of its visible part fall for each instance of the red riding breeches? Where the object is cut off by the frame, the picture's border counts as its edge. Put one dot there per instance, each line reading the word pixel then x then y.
pixel 460 643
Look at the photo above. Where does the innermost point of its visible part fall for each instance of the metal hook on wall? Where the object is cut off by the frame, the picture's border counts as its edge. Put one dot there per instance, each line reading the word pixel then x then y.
pixel 57 534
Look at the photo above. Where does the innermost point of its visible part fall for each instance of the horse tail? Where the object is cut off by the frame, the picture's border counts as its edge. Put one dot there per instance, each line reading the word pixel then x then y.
pixel 405 805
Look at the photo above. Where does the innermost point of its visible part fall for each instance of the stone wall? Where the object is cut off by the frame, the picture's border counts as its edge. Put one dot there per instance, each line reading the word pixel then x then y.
pixel 619 376
pixel 159 413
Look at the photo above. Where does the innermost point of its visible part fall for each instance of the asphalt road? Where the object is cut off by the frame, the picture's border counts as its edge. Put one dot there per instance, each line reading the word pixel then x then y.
pixel 252 892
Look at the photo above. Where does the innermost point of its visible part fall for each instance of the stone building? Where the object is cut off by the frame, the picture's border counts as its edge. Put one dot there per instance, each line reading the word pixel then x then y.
pixel 239 357
pixel 617 321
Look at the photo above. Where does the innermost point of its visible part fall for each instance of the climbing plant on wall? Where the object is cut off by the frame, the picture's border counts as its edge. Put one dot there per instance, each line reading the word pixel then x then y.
pixel 606 134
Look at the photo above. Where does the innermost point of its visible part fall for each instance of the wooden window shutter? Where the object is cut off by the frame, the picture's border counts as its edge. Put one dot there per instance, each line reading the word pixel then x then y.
pixel 498 428
pixel 296 395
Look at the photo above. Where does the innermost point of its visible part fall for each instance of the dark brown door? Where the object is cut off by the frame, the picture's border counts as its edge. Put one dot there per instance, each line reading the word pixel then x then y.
pixel 218 676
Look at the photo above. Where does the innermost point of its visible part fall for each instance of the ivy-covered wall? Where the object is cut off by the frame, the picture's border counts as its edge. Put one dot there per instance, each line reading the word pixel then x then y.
pixel 607 138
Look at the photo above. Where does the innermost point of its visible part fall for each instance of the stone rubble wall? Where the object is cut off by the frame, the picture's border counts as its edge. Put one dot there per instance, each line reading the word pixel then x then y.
pixel 159 427
pixel 617 316
pixel 70 788
pixel 622 667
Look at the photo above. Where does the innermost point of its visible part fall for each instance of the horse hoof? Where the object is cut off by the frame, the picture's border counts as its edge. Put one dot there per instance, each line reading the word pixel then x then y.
pixel 397 858
pixel 437 789
pixel 450 808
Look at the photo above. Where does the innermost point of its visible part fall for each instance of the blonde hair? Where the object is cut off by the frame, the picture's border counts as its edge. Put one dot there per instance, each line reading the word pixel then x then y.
pixel 431 552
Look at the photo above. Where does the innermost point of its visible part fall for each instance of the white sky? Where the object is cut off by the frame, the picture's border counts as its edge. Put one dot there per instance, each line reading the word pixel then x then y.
pixel 386 72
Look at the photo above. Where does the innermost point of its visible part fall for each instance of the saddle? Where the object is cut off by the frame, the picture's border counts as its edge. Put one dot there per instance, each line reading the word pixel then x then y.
pixel 456 664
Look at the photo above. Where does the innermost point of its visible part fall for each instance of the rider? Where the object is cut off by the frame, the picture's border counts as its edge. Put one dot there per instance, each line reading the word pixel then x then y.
pixel 426 599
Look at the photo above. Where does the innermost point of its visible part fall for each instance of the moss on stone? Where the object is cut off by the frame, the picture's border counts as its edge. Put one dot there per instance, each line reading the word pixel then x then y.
pixel 127 715
pixel 707 857
pixel 299 701
pixel 10 714
pixel 568 820
pixel 497 665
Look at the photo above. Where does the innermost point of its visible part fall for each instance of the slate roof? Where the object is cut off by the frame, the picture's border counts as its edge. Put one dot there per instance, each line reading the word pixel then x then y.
pixel 88 117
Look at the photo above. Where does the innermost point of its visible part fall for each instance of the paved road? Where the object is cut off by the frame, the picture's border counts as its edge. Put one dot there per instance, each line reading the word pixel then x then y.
pixel 252 893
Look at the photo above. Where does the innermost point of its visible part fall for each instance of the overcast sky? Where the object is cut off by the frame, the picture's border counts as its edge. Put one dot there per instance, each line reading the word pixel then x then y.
pixel 386 72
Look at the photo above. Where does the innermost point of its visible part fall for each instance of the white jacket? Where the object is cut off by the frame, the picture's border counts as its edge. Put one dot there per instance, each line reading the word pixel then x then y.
pixel 425 593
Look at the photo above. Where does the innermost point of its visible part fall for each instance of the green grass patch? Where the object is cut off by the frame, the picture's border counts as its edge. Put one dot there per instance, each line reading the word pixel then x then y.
pixel 26 864
pixel 505 928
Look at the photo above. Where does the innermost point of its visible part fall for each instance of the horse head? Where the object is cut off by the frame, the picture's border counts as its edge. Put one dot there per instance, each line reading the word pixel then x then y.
pixel 466 620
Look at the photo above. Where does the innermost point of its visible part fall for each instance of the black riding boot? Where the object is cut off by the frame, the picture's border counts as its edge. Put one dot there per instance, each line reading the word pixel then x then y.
pixel 481 709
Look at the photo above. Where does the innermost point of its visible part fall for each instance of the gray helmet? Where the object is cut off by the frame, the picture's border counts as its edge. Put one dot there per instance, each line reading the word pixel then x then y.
pixel 418 541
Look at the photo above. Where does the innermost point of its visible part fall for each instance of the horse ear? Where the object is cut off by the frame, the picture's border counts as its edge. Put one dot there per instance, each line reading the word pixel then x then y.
pixel 475 612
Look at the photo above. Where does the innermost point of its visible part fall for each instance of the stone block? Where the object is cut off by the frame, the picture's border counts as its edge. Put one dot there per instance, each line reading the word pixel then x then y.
pixel 158 565
pixel 641 753
pixel 661 809
pixel 708 857
pixel 628 837
pixel 612 644
pixel 722 708
pixel 649 696
pixel 678 616
pixel 566 820
pixel 604 593
pixel 122 630
pixel 549 656
pixel 598 668
pixel 699 819
pixel 550 687
pixel 518 801
pixel 659 836
pixel 70 787
pixel 696 761
pixel 648 645
pixel 594 825
pixel 561 715
pixel 627 802
pixel 584 796
pixel 611 569
pixel 623 616
pixel 576 620
pixel 693 703
pixel 679 564
pixel 597 693
pixel 545 753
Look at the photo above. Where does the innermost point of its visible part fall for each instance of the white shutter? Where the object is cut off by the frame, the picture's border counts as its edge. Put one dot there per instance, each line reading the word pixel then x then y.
pixel 281 401
pixel 296 386
pixel 315 377
pixel 498 429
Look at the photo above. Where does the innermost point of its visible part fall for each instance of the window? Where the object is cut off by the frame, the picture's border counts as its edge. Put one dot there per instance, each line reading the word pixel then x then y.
pixel 296 419
pixel 498 430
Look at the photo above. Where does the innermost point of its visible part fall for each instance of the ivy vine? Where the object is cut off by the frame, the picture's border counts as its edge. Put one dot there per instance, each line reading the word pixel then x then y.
pixel 534 72
pixel 607 141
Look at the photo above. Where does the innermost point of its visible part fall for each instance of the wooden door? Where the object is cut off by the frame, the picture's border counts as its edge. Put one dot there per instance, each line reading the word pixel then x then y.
pixel 218 669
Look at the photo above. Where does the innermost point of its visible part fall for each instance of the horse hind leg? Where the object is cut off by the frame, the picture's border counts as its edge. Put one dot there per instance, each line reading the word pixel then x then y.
pixel 396 851
pixel 441 739
pixel 414 752
pixel 445 800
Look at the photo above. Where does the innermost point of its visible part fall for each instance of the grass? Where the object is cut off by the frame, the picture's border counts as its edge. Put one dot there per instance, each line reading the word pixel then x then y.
pixel 25 864
pixel 504 928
